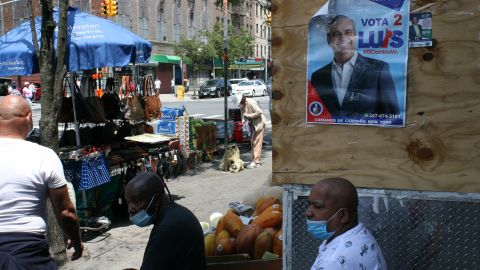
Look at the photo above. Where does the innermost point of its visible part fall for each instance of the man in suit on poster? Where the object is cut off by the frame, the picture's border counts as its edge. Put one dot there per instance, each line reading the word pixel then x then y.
pixel 353 85
pixel 415 30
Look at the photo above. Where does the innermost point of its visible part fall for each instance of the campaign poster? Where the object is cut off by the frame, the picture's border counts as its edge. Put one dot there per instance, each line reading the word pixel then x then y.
pixel 357 63
pixel 420 30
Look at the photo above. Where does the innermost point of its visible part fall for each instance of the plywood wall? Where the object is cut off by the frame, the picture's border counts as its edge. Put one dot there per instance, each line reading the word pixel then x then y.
pixel 439 149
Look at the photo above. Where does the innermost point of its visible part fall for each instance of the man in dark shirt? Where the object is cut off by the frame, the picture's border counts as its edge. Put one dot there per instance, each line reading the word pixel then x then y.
pixel 176 241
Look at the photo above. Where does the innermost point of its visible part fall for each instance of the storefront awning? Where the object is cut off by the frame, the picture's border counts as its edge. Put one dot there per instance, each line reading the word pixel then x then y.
pixel 248 64
pixel 167 59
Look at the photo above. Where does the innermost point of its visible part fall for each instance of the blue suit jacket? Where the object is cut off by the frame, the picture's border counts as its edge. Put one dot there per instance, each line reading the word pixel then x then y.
pixel 371 90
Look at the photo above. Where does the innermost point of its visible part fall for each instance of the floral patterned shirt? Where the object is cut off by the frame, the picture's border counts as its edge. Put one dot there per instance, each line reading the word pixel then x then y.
pixel 355 249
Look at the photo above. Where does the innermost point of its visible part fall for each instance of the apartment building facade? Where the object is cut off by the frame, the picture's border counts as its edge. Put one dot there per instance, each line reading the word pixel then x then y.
pixel 163 22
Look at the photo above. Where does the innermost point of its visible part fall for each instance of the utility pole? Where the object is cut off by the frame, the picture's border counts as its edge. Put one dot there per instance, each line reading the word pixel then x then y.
pixel 225 86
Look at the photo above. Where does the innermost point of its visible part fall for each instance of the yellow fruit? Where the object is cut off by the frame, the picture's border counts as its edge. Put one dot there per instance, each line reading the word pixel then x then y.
pixel 223 234
pixel 263 243
pixel 209 244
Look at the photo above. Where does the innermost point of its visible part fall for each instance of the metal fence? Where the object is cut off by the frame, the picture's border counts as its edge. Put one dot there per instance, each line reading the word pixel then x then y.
pixel 416 230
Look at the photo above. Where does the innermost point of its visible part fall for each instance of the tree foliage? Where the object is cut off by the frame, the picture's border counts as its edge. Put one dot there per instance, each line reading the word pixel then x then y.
pixel 240 42
pixel 194 53
pixel 197 52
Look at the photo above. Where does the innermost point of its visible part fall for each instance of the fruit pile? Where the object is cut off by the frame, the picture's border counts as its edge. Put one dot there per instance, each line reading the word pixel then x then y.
pixel 263 233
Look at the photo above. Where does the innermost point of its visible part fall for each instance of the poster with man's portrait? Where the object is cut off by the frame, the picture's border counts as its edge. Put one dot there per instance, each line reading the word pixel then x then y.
pixel 357 63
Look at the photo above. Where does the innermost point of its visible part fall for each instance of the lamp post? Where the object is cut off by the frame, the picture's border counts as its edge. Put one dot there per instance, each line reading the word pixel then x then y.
pixel 225 86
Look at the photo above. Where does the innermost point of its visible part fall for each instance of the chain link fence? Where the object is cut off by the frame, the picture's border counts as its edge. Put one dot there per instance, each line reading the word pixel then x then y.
pixel 416 230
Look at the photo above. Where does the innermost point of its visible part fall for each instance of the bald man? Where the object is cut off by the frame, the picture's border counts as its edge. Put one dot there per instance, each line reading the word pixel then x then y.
pixel 176 240
pixel 332 218
pixel 24 190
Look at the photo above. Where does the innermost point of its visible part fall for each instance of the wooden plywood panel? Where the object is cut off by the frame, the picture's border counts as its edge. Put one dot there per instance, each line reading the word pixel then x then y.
pixel 439 149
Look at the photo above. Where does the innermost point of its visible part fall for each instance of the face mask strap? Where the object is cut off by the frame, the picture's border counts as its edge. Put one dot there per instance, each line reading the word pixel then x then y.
pixel 146 209
pixel 335 214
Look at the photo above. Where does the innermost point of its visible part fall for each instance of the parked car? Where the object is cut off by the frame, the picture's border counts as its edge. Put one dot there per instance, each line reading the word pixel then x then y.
pixel 251 88
pixel 269 85
pixel 214 88
pixel 235 82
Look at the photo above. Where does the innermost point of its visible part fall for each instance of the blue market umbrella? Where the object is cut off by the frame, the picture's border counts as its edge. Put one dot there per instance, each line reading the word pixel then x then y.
pixel 92 42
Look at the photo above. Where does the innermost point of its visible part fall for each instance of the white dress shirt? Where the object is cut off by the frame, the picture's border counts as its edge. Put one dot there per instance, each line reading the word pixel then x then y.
pixel 341 74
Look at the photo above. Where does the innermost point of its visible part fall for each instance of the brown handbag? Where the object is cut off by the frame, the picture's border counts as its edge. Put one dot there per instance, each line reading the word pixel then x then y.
pixel 132 106
pixel 153 104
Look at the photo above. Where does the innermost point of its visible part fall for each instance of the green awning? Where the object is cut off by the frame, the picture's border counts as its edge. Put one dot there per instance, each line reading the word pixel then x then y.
pixel 167 59
pixel 246 64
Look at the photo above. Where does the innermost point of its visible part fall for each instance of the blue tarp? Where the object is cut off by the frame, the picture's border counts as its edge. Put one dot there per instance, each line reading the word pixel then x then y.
pixel 92 42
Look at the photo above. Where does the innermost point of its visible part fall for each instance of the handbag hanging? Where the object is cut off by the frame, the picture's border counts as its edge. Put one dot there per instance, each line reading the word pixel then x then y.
pixel 152 101
pixel 96 112
pixel 95 172
pixel 130 101
pixel 111 102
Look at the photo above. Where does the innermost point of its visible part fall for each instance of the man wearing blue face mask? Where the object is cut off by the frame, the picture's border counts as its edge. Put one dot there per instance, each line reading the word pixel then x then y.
pixel 332 217
pixel 176 240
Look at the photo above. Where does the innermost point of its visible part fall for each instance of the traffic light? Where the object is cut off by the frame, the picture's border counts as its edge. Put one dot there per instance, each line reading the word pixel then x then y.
pixel 113 8
pixel 105 7
pixel 269 19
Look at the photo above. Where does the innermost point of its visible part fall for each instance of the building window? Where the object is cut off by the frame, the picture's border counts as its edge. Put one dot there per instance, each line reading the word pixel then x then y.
pixel 161 22
pixel 256 27
pixel 82 5
pixel 192 29
pixel 142 19
pixel 177 20
pixel 123 17
pixel 20 12
pixel 2 24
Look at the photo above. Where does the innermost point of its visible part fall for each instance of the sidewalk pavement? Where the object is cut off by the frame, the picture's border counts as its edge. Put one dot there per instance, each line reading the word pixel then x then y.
pixel 188 96
pixel 204 190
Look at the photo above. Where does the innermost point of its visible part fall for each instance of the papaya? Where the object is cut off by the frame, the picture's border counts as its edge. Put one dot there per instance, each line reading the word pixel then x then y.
pixel 265 204
pixel 263 243
pixel 278 243
pixel 246 239
pixel 275 206
pixel 271 230
pixel 269 219
pixel 259 202
pixel 223 234
pixel 209 244
pixel 233 224
pixel 220 225
pixel 226 246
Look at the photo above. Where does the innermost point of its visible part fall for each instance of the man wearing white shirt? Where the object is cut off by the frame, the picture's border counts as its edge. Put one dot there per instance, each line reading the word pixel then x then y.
pixel 332 217
pixel 158 84
pixel 24 191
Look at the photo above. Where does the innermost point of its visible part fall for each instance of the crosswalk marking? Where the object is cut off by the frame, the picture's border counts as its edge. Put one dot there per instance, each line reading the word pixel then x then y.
pixel 195 115
pixel 212 116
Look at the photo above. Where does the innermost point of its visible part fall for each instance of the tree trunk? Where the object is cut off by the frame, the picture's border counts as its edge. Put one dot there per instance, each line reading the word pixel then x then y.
pixel 52 70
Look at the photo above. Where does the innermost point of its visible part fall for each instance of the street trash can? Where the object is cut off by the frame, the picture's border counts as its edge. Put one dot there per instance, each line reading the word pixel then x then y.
pixel 180 91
